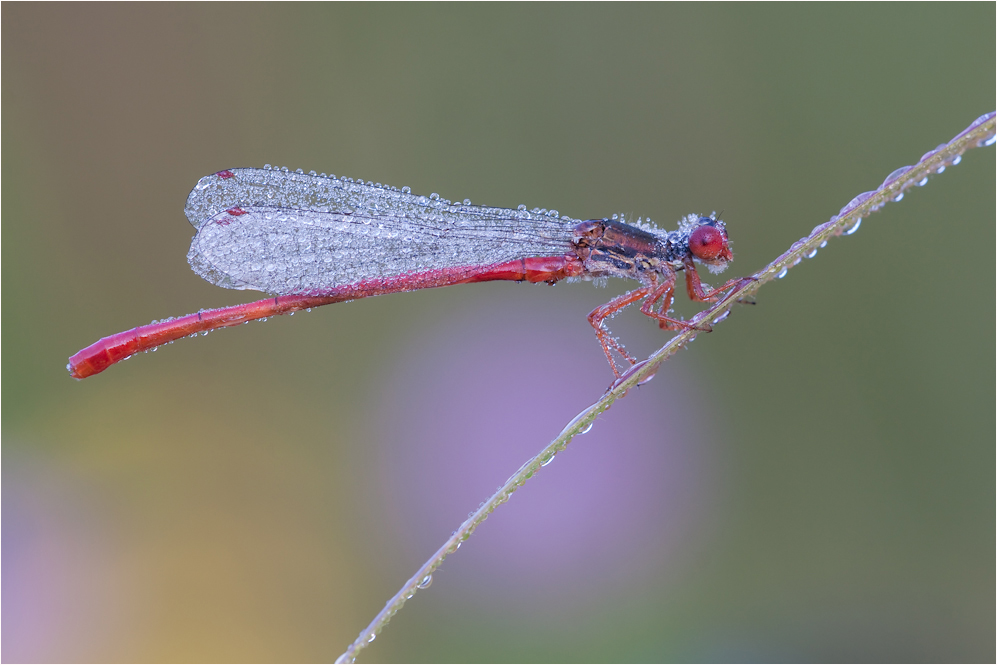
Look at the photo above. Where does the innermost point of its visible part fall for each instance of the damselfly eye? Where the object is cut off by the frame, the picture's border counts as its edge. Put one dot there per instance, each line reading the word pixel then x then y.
pixel 708 243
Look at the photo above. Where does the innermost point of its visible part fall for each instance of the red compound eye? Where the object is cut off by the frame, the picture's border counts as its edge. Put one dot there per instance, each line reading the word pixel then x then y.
pixel 708 243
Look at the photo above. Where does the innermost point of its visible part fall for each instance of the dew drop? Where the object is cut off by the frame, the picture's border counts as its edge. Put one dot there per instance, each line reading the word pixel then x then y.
pixel 823 244
pixel 425 582
pixel 940 169
pixel 899 197
pixel 546 459
pixel 982 119
pixel 858 199
pixel 812 254
pixel 923 181
pixel 587 428
pixel 896 174
pixel 521 207
pixel 371 637
pixel 782 273
pixel 855 227
pixel 406 190
pixel 956 159
pixel 990 141
pixel 721 317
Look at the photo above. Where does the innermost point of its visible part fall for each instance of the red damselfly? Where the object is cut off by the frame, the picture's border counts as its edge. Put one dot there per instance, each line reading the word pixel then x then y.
pixel 313 240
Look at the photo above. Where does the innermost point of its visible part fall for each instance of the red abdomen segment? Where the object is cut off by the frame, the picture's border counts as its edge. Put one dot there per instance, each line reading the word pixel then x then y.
pixel 535 269
pixel 102 354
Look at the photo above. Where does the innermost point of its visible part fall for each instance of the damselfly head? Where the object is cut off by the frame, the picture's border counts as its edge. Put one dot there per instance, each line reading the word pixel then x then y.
pixel 708 243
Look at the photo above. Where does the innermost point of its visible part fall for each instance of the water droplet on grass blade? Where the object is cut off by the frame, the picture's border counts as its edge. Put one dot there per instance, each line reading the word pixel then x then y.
pixel 896 174
pixel 425 582
pixel 855 227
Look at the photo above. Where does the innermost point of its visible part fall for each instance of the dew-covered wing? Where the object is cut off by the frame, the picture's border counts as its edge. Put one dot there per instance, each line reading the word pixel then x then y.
pixel 293 233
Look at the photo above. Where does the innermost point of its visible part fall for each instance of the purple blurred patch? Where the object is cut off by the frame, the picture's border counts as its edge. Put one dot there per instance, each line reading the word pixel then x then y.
pixel 63 597
pixel 477 396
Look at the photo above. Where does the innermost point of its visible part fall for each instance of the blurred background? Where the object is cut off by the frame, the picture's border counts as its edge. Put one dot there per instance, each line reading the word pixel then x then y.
pixel 814 481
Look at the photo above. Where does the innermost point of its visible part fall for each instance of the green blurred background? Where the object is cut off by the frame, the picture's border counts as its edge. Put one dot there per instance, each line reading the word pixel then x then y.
pixel 814 481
